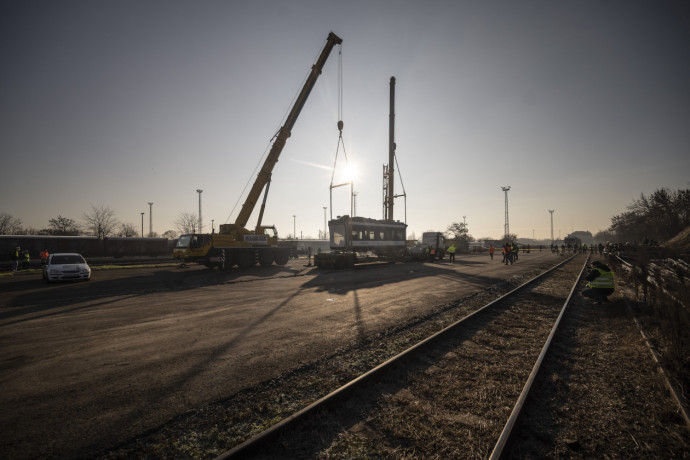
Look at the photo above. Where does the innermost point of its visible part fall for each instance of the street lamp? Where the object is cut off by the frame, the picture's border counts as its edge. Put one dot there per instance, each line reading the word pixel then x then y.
pixel 325 230
pixel 294 226
pixel 142 224
pixel 150 219
pixel 212 229
pixel 507 225
pixel 199 192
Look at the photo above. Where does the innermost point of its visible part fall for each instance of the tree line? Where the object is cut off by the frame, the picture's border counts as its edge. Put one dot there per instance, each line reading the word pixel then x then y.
pixel 100 221
pixel 654 218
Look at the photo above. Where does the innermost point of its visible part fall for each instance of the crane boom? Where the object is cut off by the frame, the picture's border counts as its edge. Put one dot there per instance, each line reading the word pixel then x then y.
pixel 285 131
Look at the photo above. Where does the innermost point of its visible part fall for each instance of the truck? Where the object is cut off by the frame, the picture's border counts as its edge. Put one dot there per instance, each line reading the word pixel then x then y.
pixel 435 240
pixel 234 244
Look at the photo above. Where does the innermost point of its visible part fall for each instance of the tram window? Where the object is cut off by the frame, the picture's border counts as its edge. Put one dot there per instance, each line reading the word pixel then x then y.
pixel 381 235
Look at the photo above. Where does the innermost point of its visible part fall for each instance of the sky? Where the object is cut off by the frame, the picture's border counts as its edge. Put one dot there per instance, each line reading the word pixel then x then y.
pixel 579 107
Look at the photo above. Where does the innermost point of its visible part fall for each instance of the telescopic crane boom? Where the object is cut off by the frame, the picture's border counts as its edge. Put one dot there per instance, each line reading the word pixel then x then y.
pixel 264 176
pixel 234 244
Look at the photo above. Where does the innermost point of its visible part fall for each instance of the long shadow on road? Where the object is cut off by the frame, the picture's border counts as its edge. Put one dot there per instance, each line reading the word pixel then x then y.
pixel 343 281
pixel 29 294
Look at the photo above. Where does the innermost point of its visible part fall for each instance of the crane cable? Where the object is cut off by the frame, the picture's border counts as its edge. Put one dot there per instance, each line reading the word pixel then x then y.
pixel 340 114
pixel 270 141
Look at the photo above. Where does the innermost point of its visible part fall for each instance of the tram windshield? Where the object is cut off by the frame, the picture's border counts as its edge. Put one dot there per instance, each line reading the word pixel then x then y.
pixel 337 236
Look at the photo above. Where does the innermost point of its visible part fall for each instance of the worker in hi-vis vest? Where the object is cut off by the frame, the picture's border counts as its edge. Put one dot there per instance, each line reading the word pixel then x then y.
pixel 451 253
pixel 601 283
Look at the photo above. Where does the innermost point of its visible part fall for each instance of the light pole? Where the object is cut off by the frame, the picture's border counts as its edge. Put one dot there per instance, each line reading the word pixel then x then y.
pixel 142 224
pixel 294 226
pixel 199 192
pixel 551 211
pixel 507 225
pixel 212 229
pixel 150 219
pixel 324 224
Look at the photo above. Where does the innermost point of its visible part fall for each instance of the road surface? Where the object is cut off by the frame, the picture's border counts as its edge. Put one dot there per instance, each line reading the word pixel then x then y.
pixel 86 366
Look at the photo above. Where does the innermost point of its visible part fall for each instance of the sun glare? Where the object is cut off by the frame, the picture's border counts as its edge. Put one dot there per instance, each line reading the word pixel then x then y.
pixel 350 172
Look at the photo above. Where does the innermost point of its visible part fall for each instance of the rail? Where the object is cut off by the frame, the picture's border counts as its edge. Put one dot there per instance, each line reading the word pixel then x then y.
pixel 260 440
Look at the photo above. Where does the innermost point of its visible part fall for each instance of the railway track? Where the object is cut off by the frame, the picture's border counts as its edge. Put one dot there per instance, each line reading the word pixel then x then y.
pixel 456 394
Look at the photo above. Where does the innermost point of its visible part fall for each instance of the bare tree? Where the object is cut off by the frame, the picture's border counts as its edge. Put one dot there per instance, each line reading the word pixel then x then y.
pixel 186 222
pixel 10 225
pixel 170 234
pixel 127 230
pixel 62 226
pixel 100 221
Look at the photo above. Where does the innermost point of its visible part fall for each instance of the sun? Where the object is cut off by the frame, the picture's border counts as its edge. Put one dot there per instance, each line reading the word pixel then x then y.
pixel 350 172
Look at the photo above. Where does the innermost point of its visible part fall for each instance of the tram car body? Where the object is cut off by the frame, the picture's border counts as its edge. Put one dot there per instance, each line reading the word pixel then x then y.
pixel 353 237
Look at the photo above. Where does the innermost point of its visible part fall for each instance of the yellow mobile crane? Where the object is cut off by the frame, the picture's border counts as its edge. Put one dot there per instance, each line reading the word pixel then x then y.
pixel 234 244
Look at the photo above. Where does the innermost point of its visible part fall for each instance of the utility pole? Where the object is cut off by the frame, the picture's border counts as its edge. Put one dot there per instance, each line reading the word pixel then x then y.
pixel 150 219
pixel 142 224
pixel 199 192
pixel 324 224
pixel 391 153
pixel 551 211
pixel 294 226
pixel 506 228
pixel 354 201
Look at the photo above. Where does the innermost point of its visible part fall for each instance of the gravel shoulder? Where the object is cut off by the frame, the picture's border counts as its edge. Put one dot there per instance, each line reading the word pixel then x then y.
pixel 600 394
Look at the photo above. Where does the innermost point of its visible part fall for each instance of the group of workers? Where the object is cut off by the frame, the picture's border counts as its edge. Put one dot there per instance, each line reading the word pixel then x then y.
pixel 22 258
pixel 432 254
pixel 600 279
pixel 509 252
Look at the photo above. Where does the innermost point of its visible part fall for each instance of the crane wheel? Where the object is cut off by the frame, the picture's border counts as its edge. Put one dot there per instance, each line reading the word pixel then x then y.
pixel 266 258
pixel 245 259
pixel 282 257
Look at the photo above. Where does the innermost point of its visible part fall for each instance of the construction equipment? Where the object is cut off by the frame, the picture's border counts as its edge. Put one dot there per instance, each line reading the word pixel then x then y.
pixel 358 239
pixel 435 240
pixel 234 244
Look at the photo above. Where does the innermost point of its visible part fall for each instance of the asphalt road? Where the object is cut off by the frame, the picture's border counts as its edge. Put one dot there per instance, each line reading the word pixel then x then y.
pixel 86 366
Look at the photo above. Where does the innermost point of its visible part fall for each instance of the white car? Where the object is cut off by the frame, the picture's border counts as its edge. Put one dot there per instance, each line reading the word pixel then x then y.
pixel 66 266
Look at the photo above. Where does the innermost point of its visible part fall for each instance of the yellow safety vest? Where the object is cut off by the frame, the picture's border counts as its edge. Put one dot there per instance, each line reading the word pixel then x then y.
pixel 603 281
pixel 451 249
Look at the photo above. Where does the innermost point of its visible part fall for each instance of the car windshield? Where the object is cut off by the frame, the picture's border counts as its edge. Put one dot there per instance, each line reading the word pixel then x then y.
pixel 68 259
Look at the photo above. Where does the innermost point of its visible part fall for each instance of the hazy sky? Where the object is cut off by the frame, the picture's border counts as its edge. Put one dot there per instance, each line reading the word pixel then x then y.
pixel 578 106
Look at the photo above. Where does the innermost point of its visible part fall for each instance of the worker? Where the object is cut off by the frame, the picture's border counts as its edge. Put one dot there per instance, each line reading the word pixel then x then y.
pixel 15 256
pixel 601 283
pixel 27 259
pixel 507 254
pixel 451 253
pixel 44 256
pixel 432 254
pixel 491 251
